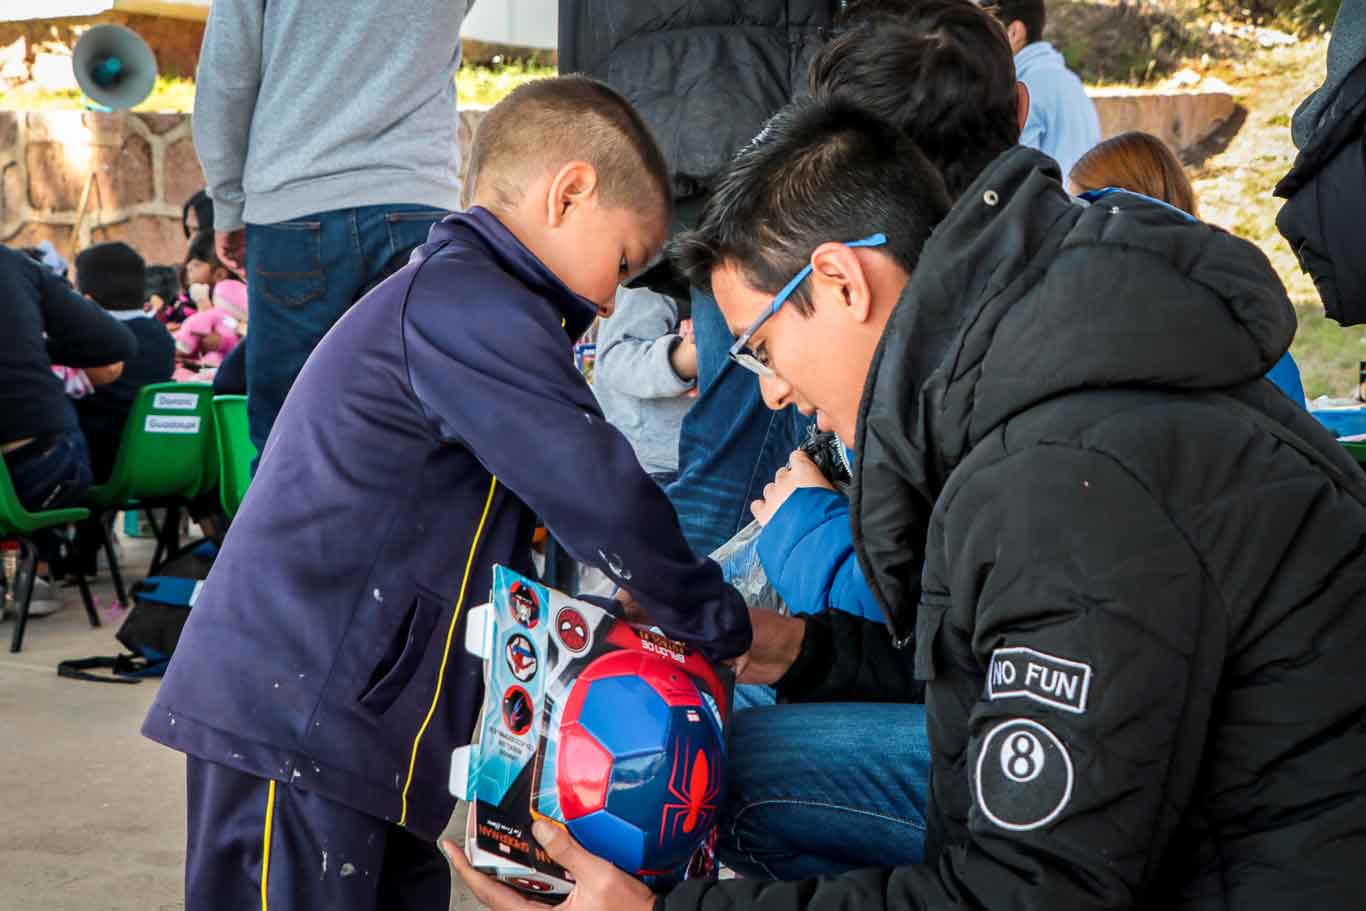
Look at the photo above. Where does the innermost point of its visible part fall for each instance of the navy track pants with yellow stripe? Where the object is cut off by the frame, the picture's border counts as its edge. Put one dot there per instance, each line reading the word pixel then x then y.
pixel 256 844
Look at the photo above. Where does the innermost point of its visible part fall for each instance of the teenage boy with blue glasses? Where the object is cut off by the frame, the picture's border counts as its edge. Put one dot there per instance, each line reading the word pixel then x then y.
pixel 1065 438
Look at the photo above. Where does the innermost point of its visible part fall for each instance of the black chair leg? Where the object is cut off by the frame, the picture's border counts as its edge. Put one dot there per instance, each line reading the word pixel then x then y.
pixel 107 531
pixel 168 538
pixel 88 600
pixel 23 594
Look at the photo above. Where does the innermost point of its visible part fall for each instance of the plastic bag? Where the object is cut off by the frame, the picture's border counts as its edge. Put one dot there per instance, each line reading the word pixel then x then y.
pixel 740 565
pixel 739 557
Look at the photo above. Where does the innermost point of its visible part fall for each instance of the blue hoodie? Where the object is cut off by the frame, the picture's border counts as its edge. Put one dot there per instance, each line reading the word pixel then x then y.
pixel 430 427
pixel 1062 121
pixel 807 550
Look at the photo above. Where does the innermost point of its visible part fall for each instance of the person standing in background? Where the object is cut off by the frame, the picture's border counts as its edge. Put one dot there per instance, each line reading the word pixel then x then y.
pixel 327 136
pixel 1062 119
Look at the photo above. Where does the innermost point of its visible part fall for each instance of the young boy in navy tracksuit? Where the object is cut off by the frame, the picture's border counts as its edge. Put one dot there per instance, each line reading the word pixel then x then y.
pixel 321 682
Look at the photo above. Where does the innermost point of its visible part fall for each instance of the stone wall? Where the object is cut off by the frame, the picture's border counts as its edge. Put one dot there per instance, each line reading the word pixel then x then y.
pixel 144 168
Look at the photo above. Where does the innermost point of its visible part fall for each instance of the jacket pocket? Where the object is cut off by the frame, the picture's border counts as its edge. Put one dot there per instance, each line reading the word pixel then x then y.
pixel 405 653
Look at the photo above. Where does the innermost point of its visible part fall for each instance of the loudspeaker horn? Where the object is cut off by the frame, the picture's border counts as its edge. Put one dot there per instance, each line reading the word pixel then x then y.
pixel 114 67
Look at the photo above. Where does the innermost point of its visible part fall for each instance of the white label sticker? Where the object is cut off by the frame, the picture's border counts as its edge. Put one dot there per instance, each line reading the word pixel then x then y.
pixel 163 423
pixel 176 401
pixel 1024 775
pixel 1036 675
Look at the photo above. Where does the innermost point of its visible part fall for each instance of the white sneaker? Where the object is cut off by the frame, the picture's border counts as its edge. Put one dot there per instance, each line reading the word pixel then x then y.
pixel 45 600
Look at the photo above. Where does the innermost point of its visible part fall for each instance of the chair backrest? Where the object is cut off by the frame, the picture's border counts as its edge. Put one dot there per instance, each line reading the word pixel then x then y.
pixel 162 450
pixel 235 450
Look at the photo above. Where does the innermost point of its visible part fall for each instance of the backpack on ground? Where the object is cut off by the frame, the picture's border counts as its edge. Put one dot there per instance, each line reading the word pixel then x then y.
pixel 150 632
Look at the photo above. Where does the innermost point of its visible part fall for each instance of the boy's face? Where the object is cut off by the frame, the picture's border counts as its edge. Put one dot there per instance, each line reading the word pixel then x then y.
pixel 593 247
pixel 819 362
pixel 601 248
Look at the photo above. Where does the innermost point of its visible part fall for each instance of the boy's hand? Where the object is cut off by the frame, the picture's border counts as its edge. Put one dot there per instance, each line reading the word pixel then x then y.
pixel 777 645
pixel 599 886
pixel 799 472
pixel 684 358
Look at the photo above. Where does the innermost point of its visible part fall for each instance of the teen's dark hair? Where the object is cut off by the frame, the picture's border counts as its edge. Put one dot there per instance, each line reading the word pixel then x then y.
pixel 820 171
pixel 203 209
pixel 202 248
pixel 1029 13
pixel 939 70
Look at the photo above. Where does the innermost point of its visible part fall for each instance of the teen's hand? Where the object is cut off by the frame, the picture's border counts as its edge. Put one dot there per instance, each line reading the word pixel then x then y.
pixel 776 646
pixel 799 472
pixel 598 886
pixel 231 247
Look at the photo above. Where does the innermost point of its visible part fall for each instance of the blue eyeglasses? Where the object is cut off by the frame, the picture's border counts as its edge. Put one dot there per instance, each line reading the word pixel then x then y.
pixel 740 351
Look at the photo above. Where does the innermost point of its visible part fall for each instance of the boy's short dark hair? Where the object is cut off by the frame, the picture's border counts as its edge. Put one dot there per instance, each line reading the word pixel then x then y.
pixel 1029 13
pixel 112 274
pixel 820 171
pixel 939 70
pixel 547 123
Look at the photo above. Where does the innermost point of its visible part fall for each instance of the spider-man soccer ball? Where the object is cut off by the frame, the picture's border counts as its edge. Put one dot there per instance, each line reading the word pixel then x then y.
pixel 641 763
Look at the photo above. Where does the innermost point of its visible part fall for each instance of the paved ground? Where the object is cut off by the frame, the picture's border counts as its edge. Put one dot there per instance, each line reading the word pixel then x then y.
pixel 91 814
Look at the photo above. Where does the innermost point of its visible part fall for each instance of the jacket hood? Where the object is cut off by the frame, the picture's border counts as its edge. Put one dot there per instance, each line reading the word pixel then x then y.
pixel 479 225
pixel 1024 294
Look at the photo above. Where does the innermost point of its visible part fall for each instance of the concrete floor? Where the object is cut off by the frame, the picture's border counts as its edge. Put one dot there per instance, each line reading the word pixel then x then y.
pixel 91 814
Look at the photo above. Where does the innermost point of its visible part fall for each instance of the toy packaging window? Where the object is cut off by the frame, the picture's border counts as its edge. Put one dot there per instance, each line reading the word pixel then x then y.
pixel 611 730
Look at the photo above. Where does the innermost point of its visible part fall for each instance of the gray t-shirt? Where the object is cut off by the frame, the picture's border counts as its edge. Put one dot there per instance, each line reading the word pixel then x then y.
pixel 305 106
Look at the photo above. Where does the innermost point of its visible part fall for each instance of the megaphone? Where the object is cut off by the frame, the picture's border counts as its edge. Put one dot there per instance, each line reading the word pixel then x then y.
pixel 114 67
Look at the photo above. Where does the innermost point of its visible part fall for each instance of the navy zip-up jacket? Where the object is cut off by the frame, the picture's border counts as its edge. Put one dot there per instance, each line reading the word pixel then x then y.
pixel 429 427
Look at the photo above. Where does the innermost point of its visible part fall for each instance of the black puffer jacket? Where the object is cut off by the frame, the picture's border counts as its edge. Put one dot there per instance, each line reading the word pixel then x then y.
pixel 1142 613
pixel 705 74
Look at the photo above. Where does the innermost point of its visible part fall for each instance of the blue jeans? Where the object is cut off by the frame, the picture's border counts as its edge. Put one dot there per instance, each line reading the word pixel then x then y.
pixel 730 444
pixel 52 472
pixel 818 789
pixel 302 275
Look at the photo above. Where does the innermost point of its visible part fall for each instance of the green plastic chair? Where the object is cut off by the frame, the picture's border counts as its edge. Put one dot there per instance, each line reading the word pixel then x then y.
pixel 162 461
pixel 1356 451
pixel 18 524
pixel 236 452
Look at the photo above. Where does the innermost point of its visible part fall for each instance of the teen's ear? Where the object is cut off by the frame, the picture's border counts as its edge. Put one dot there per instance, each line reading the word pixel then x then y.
pixel 837 274
pixel 574 185
pixel 1018 36
pixel 1021 104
